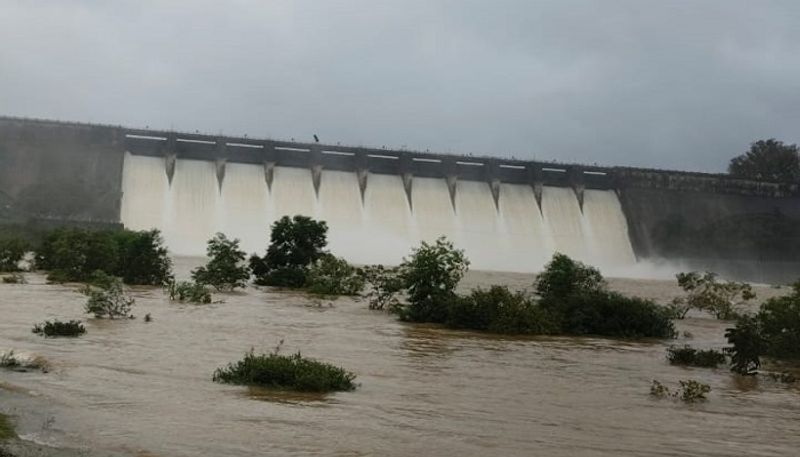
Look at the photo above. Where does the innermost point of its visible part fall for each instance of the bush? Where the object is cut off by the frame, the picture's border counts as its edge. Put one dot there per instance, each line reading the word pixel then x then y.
pixel 15 278
pixel 143 258
pixel 430 277
pixel 295 244
pixel 722 299
pixel 747 346
pixel 773 332
pixel 384 285
pixel 6 433
pixel 677 309
pixel 610 314
pixel 108 300
pixel 74 254
pixel 575 296
pixel 12 251
pixel 498 310
pixel 779 325
pixel 58 328
pixel 188 291
pixel 226 269
pixel 331 275
pixel 690 391
pixel 292 372
pixel 689 356
pixel 563 277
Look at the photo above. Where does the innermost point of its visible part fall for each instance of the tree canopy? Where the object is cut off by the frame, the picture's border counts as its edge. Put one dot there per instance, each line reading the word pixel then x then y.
pixel 768 160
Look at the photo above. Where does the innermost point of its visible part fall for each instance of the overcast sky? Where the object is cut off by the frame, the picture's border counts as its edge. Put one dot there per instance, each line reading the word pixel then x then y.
pixel 677 84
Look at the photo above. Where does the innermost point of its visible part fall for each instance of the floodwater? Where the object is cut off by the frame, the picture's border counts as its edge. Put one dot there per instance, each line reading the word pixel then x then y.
pixel 140 388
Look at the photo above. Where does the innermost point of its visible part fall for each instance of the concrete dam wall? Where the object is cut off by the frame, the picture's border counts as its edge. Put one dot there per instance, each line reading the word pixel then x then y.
pixel 507 214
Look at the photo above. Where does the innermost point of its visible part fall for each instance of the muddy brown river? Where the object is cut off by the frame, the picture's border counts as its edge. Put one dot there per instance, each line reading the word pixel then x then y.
pixel 138 388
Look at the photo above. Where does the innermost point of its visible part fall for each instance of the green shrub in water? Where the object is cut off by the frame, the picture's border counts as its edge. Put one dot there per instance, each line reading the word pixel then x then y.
pixel 108 299
pixel 295 244
pixel 58 328
pixel 689 356
pixel 12 251
pixel 720 298
pixel 331 275
pixel 430 276
pixel 14 278
pixel 189 292
pixel 6 430
pixel 773 332
pixel 498 310
pixel 226 269
pixel 384 286
pixel 576 298
pixel 292 372
pixel 690 391
pixel 75 254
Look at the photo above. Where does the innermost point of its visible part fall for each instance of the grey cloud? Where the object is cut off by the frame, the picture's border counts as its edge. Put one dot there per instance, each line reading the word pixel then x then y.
pixel 680 84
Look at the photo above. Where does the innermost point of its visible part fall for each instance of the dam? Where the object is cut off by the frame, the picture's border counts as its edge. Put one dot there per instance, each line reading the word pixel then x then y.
pixel 513 234
pixel 508 215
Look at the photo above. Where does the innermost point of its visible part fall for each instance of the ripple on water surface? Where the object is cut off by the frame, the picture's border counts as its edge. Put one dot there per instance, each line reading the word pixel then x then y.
pixel 133 385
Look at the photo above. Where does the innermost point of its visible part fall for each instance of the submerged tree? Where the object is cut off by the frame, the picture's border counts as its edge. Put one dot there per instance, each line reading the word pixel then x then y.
pixel 12 250
pixel 773 332
pixel 430 276
pixel 723 299
pixel 295 244
pixel 226 269
pixel 768 160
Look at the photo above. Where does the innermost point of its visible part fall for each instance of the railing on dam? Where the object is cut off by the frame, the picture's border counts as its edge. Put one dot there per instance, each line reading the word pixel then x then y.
pixel 493 170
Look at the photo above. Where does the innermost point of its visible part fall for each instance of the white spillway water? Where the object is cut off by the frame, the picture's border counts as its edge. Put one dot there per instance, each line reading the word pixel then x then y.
pixel 514 235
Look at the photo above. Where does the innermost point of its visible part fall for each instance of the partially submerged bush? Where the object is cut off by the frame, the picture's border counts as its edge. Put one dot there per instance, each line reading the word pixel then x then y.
pixel 331 275
pixel 690 391
pixel 430 276
pixel 58 328
pixel 773 332
pixel 384 286
pixel 498 310
pixel 12 251
pixel 226 269
pixel 108 300
pixel 6 432
pixel 689 356
pixel 143 258
pixel 783 377
pixel 572 299
pixel 747 346
pixel 720 298
pixel 576 298
pixel 292 372
pixel 16 362
pixel 677 309
pixel 14 278
pixel 189 292
pixel 295 244
pixel 74 254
